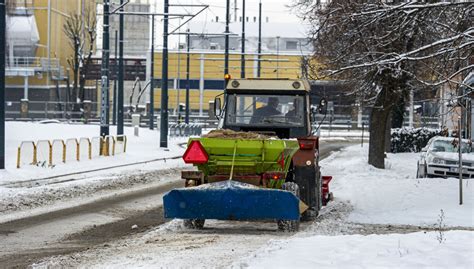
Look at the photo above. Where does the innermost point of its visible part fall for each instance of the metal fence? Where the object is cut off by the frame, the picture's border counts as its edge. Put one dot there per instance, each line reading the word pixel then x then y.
pixel 62 111
pixel 38 110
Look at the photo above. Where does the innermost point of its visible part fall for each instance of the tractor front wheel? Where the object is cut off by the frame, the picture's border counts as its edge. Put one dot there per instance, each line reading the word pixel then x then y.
pixel 290 225
pixel 194 223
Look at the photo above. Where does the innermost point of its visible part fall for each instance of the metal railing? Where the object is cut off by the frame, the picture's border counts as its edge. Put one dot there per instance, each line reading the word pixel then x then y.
pixel 183 129
pixel 38 110
pixel 64 111
pixel 37 63
pixel 46 153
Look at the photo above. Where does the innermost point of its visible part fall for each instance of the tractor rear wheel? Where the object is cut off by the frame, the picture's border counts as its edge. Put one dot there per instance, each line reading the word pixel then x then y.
pixel 290 225
pixel 194 223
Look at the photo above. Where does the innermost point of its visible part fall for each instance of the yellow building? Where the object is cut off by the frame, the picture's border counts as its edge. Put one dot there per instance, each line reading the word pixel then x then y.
pixel 38 72
pixel 210 65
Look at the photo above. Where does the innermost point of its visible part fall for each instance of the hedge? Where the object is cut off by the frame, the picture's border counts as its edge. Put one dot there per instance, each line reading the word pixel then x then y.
pixel 411 139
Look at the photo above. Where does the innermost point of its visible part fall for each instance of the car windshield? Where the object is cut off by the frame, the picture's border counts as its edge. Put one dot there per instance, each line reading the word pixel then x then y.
pixel 449 146
pixel 264 110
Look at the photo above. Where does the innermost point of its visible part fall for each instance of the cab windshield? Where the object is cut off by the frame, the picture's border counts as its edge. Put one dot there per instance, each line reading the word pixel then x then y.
pixel 265 110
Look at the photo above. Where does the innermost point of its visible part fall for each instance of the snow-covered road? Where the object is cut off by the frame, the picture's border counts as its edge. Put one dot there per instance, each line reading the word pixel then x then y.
pixel 380 218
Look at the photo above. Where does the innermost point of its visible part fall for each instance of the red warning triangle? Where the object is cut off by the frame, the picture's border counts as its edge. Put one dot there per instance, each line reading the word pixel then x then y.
pixel 195 153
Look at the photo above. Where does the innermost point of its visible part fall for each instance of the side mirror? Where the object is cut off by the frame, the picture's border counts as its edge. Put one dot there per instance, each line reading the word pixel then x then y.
pixel 425 149
pixel 217 107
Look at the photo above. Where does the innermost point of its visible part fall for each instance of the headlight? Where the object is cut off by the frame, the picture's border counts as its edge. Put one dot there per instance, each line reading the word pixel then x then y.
pixel 438 161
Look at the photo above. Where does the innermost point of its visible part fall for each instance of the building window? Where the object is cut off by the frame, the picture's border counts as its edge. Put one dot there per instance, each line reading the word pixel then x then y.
pixel 291 45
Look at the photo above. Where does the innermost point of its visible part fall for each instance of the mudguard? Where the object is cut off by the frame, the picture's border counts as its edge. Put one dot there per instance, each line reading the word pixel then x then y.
pixel 231 200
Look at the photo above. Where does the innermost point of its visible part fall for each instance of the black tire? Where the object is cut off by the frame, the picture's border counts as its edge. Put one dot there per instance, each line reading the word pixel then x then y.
pixel 194 223
pixel 290 225
pixel 309 181
pixel 313 212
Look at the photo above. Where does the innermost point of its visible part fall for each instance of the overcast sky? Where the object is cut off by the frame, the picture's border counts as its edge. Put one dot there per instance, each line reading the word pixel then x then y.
pixel 276 10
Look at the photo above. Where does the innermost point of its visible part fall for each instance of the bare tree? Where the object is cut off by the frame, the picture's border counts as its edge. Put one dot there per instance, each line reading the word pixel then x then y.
pixel 81 31
pixel 386 49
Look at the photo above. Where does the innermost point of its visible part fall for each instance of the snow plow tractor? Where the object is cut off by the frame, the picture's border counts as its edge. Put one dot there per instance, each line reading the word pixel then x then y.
pixel 260 164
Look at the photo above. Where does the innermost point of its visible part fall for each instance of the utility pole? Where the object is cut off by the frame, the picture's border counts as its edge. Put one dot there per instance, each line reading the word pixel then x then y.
pixel 114 107
pixel 104 124
pixel 235 10
pixel 178 80
pixel 259 49
pixel 164 81
pixel 152 77
pixel 278 57
pixel 2 82
pixel 226 38
pixel 186 118
pixel 120 74
pixel 242 56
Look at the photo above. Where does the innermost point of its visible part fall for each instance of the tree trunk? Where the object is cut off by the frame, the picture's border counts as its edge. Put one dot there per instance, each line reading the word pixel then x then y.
pixel 378 123
pixel 388 137
pixel 76 73
pixel 397 113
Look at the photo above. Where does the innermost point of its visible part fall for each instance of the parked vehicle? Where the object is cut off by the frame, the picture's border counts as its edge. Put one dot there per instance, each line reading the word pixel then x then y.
pixel 261 164
pixel 440 158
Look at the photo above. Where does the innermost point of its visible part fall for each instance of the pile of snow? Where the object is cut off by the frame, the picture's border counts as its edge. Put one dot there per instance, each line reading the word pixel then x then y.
pixel 393 195
pixel 13 201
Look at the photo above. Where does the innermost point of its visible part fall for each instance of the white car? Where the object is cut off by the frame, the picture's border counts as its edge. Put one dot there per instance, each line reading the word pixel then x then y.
pixel 440 158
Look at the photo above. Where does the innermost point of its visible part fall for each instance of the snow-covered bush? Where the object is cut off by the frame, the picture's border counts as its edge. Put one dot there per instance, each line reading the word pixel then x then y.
pixel 411 139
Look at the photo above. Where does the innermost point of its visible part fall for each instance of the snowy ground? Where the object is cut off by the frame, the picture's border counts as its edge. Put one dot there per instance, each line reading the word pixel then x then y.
pixel 23 188
pixel 380 218
pixel 142 148
pixel 392 197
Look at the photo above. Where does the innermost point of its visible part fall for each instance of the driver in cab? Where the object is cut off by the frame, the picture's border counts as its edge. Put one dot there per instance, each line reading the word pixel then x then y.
pixel 267 111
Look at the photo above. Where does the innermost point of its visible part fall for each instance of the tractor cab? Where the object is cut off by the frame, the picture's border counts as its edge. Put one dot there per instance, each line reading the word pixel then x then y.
pixel 273 107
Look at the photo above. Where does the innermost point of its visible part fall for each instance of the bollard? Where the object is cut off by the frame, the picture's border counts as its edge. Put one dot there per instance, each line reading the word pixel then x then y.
pixel 136 124
pixel 87 110
pixel 24 108
pixel 18 158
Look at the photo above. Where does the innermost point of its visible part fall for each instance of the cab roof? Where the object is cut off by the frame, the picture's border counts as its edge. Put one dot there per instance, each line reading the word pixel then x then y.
pixel 268 85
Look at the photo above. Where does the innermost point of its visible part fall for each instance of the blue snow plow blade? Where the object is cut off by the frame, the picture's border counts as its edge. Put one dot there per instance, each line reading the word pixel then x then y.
pixel 230 200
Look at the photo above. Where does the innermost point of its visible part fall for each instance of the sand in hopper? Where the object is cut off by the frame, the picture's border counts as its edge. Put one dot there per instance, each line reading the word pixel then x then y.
pixel 223 133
